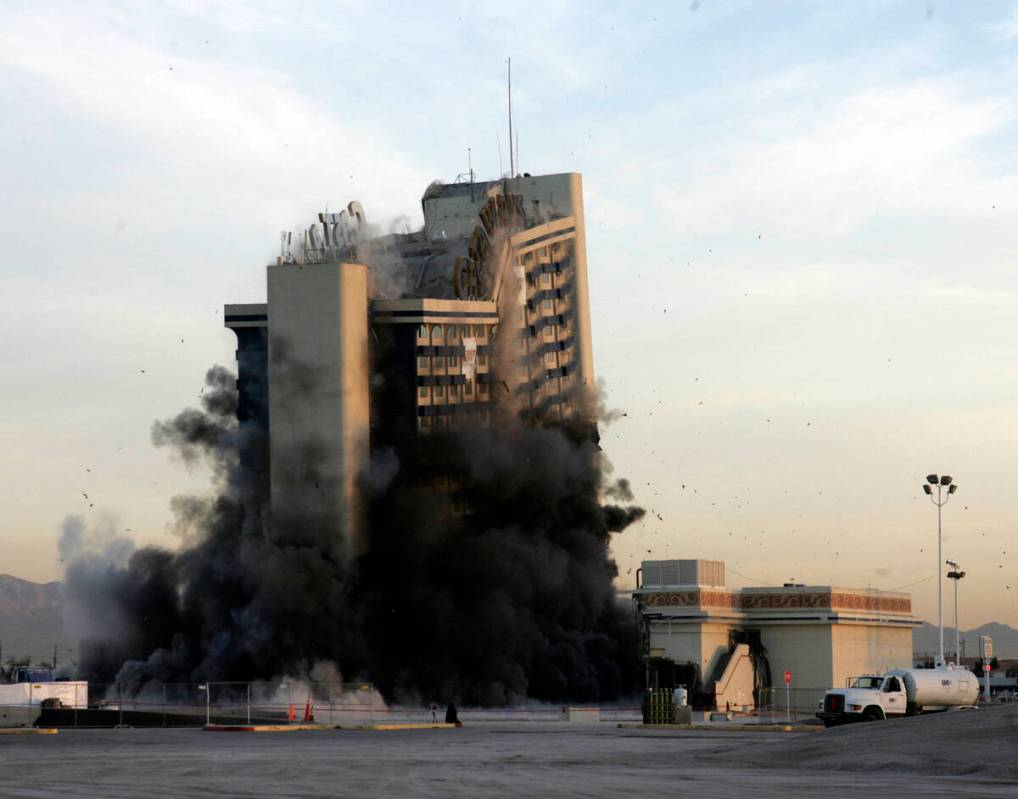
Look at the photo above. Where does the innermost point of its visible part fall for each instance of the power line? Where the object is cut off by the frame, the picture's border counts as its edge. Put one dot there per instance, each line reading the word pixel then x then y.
pixel 746 576
pixel 909 585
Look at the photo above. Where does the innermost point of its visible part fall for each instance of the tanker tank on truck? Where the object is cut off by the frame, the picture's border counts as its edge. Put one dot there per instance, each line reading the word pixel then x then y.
pixel 899 692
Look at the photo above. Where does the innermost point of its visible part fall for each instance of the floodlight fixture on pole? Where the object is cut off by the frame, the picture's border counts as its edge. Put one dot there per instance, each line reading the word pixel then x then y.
pixel 941 498
pixel 956 574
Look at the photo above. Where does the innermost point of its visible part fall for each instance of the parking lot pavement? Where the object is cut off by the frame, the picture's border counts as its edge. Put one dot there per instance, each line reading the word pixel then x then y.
pixel 482 759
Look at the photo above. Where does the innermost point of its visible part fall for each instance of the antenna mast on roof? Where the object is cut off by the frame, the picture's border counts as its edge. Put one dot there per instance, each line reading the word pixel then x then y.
pixel 470 172
pixel 509 77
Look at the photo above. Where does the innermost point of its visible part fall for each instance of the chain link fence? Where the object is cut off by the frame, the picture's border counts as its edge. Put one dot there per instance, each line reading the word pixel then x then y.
pixel 243 703
pixel 191 704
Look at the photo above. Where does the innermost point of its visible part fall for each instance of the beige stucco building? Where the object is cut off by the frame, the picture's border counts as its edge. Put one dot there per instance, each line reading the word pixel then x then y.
pixel 734 645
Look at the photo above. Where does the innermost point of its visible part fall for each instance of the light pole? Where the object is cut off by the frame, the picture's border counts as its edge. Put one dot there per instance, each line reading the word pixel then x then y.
pixel 940 500
pixel 208 703
pixel 956 574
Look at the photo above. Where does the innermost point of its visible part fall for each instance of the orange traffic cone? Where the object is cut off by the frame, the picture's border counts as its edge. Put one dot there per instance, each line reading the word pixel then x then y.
pixel 291 716
pixel 309 713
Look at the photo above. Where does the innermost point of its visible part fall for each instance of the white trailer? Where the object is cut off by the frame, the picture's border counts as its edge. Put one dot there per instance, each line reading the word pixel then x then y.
pixel 71 694
pixel 899 692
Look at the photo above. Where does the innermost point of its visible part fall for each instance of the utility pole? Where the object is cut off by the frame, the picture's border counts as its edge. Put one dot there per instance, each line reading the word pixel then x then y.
pixel 955 576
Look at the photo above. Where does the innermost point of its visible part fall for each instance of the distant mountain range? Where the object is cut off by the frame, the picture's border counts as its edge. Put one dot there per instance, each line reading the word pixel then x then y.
pixel 31 619
pixel 925 640
pixel 31 623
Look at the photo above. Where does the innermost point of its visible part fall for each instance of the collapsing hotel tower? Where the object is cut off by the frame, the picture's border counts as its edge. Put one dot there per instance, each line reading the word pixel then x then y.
pixel 370 341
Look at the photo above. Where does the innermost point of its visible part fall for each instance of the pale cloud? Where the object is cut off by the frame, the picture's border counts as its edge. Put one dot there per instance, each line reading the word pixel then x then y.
pixel 886 151
pixel 208 132
pixel 1005 29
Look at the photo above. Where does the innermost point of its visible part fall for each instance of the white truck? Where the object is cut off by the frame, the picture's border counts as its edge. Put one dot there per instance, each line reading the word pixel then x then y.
pixel 899 692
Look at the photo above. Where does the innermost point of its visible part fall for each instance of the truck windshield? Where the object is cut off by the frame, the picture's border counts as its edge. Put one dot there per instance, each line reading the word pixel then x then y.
pixel 868 682
pixel 33 675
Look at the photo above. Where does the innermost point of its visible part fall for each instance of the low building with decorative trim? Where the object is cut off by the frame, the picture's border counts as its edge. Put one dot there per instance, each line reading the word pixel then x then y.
pixel 733 647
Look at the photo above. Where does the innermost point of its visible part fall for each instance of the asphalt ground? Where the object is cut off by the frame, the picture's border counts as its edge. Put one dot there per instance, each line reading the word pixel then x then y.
pixel 507 759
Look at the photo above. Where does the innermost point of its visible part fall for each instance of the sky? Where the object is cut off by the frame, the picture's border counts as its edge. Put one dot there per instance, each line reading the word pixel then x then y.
pixel 800 231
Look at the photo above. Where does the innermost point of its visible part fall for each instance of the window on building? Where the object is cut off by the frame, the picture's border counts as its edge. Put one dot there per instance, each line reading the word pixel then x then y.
pixel 478 331
pixel 549 332
pixel 436 334
pixel 549 359
pixel 482 359
pixel 423 392
pixel 439 391
pixel 547 306
pixel 423 362
pixel 453 361
pixel 545 280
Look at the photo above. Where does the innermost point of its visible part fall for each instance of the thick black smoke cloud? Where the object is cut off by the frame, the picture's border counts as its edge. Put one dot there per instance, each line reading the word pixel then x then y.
pixel 510 599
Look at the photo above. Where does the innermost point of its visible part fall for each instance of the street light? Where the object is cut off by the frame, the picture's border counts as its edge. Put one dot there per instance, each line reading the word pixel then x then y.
pixel 941 498
pixel 956 574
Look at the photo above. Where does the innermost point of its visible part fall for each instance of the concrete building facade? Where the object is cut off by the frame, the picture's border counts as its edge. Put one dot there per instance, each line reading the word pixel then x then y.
pixel 734 647
pixel 318 370
pixel 372 339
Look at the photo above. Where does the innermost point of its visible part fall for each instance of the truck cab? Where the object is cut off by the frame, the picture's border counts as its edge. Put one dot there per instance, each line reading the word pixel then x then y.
pixel 24 674
pixel 872 697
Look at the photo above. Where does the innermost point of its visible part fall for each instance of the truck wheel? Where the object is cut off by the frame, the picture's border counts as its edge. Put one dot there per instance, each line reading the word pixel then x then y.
pixel 872 714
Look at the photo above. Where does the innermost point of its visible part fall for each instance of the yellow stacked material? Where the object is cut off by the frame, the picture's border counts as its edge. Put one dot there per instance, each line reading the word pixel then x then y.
pixel 27 731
